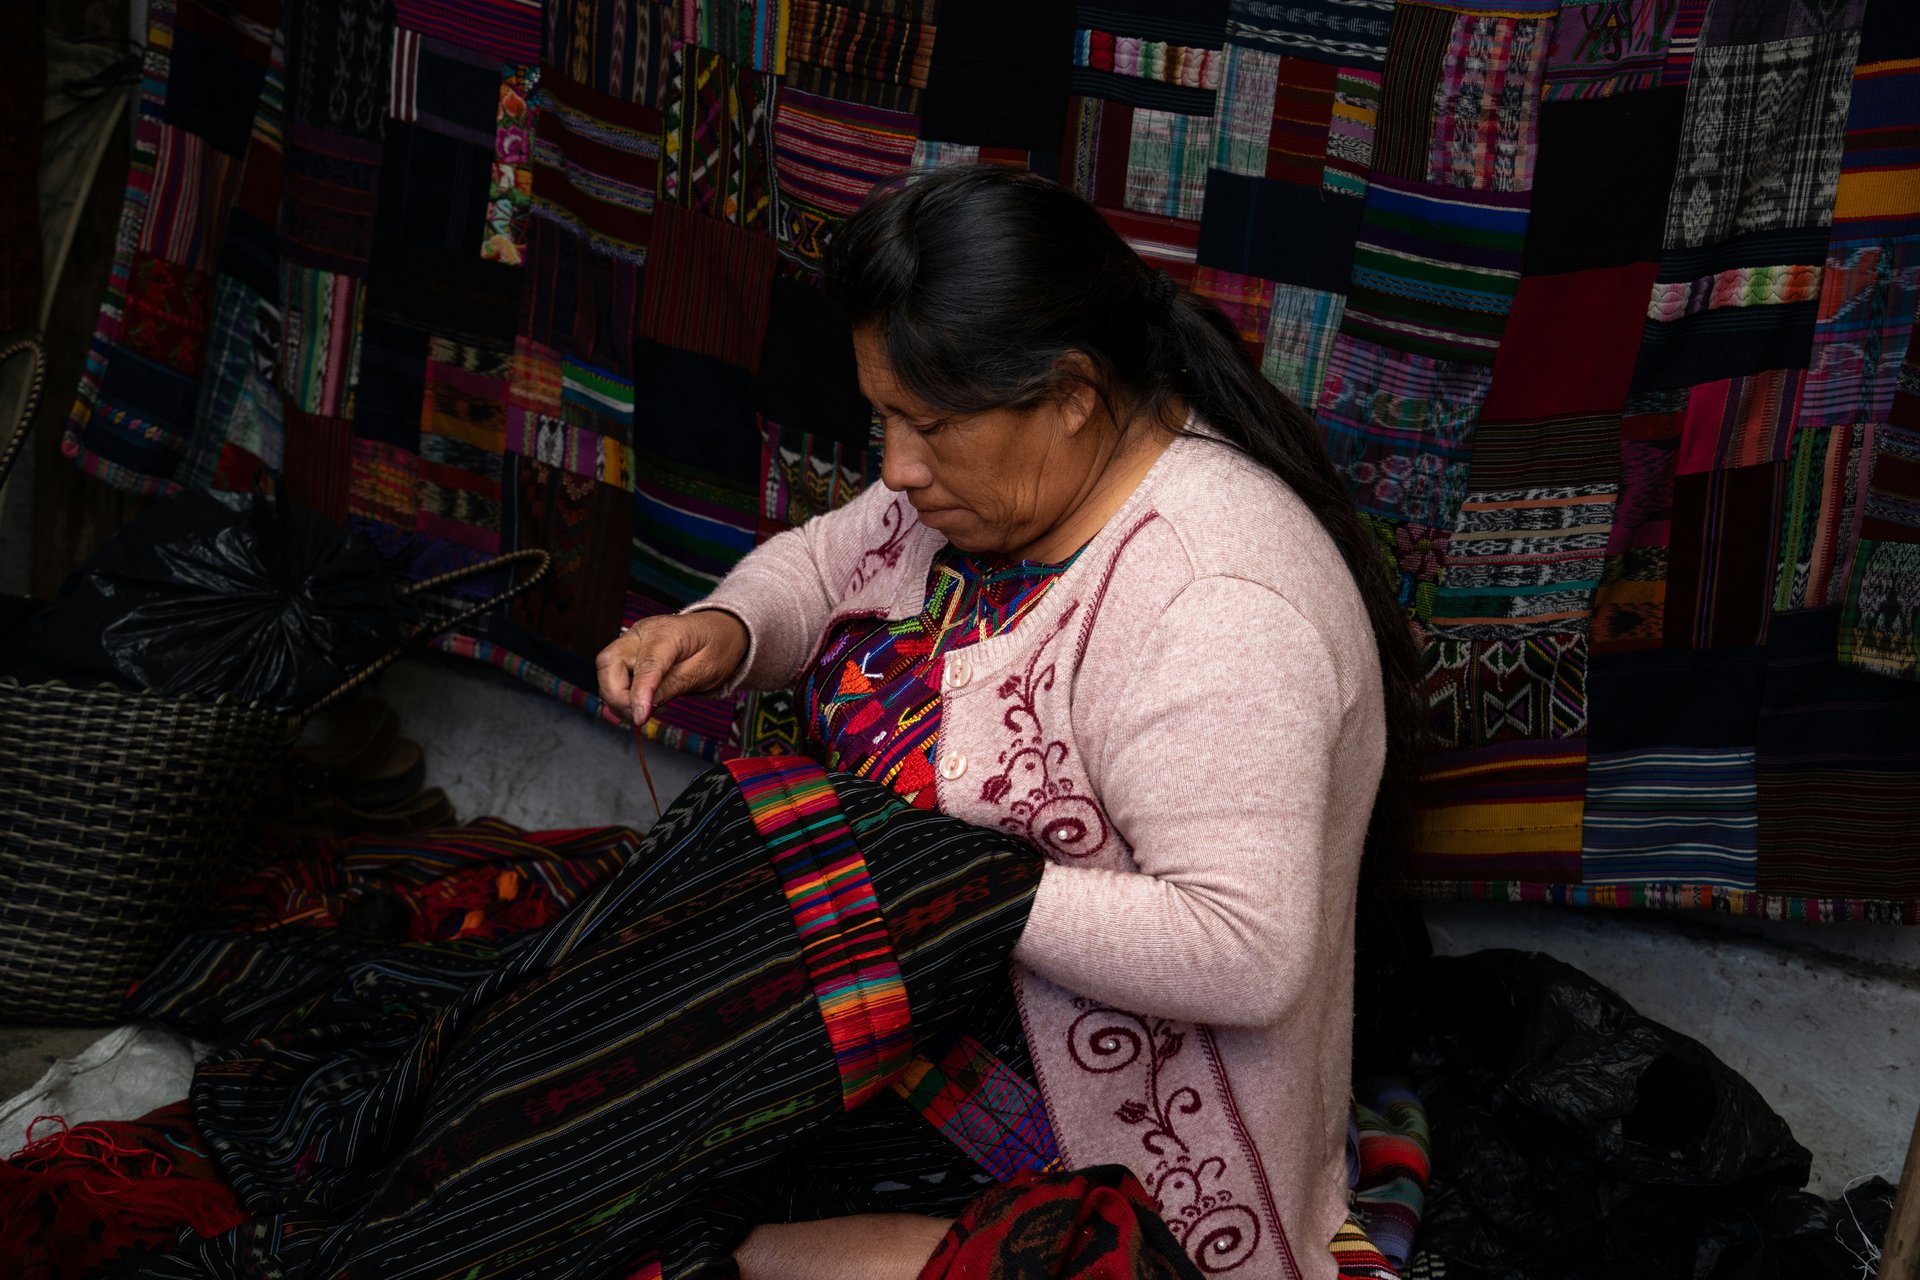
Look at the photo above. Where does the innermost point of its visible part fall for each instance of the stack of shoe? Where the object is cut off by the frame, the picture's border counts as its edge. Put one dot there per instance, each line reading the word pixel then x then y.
pixel 358 775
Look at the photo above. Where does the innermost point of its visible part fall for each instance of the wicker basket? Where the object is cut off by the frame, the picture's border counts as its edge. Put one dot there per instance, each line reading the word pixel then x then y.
pixel 118 810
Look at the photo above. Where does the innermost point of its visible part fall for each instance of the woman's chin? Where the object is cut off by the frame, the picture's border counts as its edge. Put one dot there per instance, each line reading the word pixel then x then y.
pixel 970 542
pixel 951 521
pixel 964 530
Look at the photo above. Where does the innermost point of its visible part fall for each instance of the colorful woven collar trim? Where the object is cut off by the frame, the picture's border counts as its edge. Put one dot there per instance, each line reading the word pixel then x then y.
pixel 843 936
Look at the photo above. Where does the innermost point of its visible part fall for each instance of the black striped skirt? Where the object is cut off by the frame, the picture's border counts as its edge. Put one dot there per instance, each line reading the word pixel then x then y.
pixel 607 1096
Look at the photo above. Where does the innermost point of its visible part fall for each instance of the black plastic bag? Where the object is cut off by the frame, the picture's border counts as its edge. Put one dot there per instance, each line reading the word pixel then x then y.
pixel 1574 1138
pixel 230 594
pixel 1795 1235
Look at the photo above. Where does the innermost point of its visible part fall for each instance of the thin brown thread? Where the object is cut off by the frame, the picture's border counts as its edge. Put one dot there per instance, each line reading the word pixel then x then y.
pixel 640 749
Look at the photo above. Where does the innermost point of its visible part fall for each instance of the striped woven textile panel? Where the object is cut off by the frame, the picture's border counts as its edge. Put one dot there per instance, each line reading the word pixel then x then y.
pixel 1606 314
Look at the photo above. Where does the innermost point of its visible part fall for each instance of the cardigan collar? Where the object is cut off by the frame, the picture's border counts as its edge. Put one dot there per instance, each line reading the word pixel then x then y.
pixel 910 589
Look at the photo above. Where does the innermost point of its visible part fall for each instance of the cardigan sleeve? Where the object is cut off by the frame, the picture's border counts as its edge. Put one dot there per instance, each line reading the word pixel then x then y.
pixel 1218 769
pixel 785 590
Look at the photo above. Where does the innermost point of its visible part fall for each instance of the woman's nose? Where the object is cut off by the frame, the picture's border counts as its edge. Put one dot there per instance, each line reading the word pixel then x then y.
pixel 903 463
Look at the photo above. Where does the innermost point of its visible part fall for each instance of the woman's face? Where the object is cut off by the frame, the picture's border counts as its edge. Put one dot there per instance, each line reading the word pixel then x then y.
pixel 993 482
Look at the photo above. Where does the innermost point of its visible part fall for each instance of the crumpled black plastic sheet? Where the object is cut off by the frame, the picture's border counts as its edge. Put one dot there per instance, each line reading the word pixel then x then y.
pixel 221 594
pixel 1574 1139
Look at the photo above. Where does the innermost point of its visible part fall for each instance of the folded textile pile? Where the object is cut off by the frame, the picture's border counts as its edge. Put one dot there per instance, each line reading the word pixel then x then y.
pixel 79 1196
pixel 624 1072
pixel 483 881
pixel 357 773
pixel 75 1199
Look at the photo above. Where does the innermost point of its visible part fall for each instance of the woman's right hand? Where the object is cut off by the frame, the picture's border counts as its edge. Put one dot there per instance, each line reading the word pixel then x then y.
pixel 661 658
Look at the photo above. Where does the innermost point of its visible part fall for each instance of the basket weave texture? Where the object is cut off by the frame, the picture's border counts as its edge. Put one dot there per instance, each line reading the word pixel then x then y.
pixel 117 811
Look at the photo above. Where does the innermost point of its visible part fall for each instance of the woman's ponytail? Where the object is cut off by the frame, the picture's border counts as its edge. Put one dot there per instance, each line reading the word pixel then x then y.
pixel 1215 376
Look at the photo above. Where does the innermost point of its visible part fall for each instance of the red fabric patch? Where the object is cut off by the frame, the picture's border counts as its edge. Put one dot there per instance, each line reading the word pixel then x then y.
pixel 1012 157
pixel 1720 570
pixel 1739 422
pixel 1170 244
pixel 1098 171
pixel 167 314
pixel 1570 343
pixel 319 462
pixel 237 468
pixel 1098 1224
pixel 262 180
pixel 1302 117
pixel 1906 403
pixel 708 287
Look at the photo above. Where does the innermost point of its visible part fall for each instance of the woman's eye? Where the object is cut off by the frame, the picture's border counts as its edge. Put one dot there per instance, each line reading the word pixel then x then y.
pixel 919 428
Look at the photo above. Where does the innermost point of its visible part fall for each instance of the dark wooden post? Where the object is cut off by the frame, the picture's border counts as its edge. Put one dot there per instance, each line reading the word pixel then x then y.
pixel 1900 1252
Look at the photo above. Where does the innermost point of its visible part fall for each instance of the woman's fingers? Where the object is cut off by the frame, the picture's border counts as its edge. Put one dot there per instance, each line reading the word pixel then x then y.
pixel 655 648
pixel 630 669
pixel 662 658
pixel 707 646
pixel 653 683
pixel 615 673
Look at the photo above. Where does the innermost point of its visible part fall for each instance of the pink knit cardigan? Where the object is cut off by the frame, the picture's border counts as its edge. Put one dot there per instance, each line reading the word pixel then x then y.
pixel 1190 727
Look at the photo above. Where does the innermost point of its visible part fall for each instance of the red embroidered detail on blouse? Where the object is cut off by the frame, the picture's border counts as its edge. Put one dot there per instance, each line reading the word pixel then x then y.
pixel 887 554
pixel 871 701
pixel 1218 1233
pixel 1046 810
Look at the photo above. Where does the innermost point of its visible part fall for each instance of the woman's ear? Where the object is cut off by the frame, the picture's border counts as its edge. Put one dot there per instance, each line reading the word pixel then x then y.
pixel 1080 399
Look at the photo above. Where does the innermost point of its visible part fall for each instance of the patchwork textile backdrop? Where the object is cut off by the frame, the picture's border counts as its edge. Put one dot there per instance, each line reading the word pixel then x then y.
pixel 1606 309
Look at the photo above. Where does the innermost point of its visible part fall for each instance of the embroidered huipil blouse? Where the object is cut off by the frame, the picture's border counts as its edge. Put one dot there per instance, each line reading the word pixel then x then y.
pixel 872 698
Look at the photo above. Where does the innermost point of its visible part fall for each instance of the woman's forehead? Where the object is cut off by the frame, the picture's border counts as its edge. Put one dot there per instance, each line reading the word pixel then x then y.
pixel 877 381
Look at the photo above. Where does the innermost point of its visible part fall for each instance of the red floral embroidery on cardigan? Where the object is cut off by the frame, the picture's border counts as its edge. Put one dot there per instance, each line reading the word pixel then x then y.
pixel 1218 1232
pixel 884 556
pixel 1048 810
pixel 1045 807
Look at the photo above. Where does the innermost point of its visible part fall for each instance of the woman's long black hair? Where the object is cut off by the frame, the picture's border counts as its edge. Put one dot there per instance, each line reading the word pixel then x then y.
pixel 979 280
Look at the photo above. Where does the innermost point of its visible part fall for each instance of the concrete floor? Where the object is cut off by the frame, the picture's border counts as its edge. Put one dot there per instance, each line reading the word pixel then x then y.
pixel 1825 1021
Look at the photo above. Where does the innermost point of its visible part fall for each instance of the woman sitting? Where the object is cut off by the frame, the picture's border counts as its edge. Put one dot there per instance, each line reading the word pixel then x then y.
pixel 1109 597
